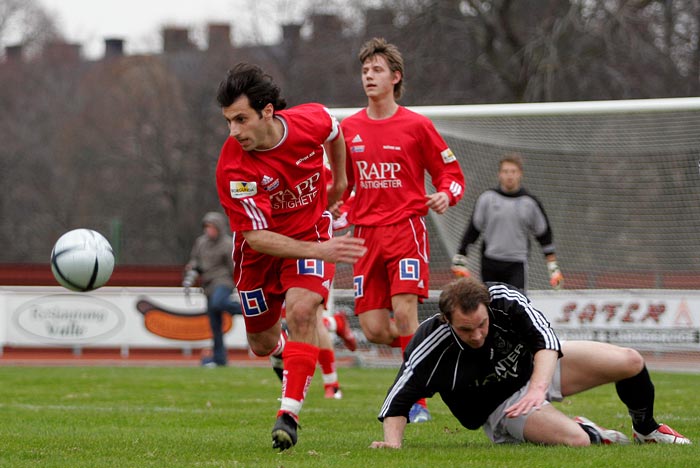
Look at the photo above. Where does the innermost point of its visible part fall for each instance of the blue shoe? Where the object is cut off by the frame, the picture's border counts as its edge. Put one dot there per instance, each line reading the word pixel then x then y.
pixel 419 414
pixel 209 362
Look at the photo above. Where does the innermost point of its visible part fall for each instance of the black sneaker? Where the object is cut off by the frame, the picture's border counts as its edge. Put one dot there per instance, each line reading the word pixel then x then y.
pixel 606 436
pixel 284 434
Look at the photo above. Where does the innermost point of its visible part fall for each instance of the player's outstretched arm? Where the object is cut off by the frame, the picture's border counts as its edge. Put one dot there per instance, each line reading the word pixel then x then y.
pixel 544 367
pixel 393 433
pixel 345 248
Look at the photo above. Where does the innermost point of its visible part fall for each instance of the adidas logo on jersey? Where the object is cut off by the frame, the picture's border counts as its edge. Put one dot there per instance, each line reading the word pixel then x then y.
pixel 357 139
pixel 269 183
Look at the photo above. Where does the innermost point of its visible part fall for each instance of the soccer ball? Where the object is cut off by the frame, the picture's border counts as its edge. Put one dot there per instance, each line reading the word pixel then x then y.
pixel 82 260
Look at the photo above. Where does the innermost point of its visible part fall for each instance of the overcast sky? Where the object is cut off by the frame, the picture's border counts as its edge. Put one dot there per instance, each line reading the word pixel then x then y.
pixel 139 22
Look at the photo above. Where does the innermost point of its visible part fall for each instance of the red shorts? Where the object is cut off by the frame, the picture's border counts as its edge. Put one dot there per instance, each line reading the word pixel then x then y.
pixel 263 280
pixel 396 262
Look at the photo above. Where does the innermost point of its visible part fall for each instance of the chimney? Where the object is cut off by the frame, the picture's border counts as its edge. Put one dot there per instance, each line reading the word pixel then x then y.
pixel 378 21
pixel 176 39
pixel 13 53
pixel 114 47
pixel 219 36
pixel 62 52
pixel 326 26
pixel 291 33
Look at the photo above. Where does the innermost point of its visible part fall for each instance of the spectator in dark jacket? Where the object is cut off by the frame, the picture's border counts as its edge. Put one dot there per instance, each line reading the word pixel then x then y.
pixel 210 260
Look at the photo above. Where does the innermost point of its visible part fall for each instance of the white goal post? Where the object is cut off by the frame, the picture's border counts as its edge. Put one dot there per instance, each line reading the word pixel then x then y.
pixel 547 108
pixel 619 181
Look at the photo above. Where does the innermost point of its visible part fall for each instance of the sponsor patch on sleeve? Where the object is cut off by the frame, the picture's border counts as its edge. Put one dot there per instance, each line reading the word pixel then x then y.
pixel 448 156
pixel 241 189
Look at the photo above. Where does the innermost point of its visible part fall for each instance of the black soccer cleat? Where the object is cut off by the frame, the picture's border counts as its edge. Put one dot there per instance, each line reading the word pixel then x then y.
pixel 284 434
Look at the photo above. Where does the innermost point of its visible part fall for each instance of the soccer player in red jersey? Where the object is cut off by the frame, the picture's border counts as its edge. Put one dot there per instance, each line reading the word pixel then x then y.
pixel 390 150
pixel 270 182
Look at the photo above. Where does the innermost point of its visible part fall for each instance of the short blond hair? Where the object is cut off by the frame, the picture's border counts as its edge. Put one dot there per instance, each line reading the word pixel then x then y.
pixel 513 158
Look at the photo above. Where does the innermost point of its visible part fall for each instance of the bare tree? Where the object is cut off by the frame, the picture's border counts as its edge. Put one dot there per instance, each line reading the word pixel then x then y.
pixel 136 139
pixel 25 22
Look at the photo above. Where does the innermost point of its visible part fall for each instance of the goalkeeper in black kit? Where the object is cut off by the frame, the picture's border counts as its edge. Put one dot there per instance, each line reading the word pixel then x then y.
pixel 506 217
pixel 497 364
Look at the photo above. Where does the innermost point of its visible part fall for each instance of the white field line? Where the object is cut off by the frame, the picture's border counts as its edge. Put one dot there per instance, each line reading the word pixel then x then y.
pixel 122 409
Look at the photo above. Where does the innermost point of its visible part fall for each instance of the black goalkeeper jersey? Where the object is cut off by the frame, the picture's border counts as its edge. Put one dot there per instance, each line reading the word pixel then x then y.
pixel 472 382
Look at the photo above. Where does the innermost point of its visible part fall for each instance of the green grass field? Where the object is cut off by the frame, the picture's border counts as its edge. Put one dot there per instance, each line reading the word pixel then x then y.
pixel 192 417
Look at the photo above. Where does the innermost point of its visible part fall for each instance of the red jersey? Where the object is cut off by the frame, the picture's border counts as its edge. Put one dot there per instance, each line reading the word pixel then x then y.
pixel 281 189
pixel 387 160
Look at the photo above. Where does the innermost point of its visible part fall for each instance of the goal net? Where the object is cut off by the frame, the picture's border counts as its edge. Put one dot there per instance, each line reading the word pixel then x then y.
pixel 619 181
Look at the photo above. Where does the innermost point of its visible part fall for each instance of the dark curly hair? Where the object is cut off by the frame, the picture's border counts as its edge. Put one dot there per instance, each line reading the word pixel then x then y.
pixel 250 80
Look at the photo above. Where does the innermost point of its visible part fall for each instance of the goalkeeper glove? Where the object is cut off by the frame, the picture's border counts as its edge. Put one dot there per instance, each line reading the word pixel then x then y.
pixel 459 266
pixel 556 279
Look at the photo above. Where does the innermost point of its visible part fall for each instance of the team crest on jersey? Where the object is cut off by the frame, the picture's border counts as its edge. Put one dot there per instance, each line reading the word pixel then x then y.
pixel 409 269
pixel 241 189
pixel 448 156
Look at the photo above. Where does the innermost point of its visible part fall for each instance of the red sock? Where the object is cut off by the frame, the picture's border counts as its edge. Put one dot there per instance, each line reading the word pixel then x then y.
pixel 326 358
pixel 299 367
pixel 397 343
pixel 281 343
pixel 403 341
pixel 341 323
